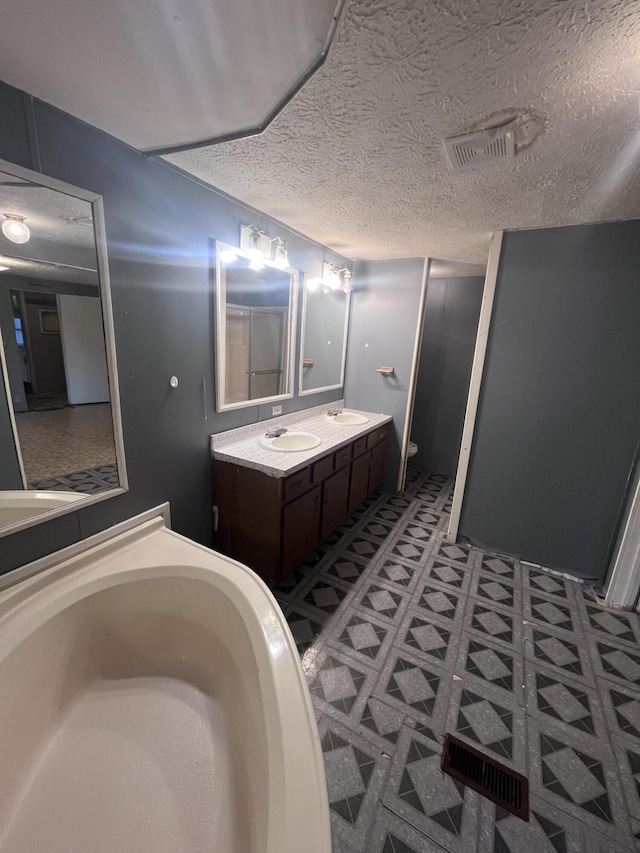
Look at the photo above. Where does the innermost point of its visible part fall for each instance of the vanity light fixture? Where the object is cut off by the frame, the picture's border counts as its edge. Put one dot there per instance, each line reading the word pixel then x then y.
pixel 256 244
pixel 333 278
pixel 15 228
pixel 280 254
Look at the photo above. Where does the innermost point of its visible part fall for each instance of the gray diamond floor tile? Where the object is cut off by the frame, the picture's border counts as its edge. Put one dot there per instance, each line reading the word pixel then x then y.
pixel 434 804
pixel 489 622
pixel 449 574
pixel 552 613
pixel 403 574
pixel 579 776
pixel 382 599
pixel 567 654
pixel 361 635
pixel 404 637
pixel 430 636
pixel 483 718
pixel 481 661
pixel 434 599
pixel 574 706
pixel 356 772
pixel 340 685
pixel 610 625
pixel 391 834
pixel 549 830
pixel 418 688
pixel 615 661
pixel 496 591
pixel 542 582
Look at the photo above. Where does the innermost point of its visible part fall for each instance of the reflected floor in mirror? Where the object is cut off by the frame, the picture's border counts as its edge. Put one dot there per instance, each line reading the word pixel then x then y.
pixel 73 440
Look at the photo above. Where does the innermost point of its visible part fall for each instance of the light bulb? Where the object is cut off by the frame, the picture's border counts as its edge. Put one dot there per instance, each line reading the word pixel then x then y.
pixel 313 284
pixel 15 229
pixel 228 256
pixel 281 257
pixel 333 281
pixel 256 263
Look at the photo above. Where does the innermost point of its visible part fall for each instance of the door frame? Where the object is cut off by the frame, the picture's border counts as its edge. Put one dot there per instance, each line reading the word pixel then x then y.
pixel 477 369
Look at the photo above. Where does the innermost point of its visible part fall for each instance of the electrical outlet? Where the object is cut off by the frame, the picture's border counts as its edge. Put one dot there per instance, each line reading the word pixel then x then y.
pixel 276 410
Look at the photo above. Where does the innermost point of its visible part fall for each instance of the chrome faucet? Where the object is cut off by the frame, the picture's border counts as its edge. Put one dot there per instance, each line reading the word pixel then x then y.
pixel 333 412
pixel 274 433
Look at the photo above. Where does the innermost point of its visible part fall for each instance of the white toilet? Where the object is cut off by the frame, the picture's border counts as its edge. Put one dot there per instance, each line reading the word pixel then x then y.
pixel 413 449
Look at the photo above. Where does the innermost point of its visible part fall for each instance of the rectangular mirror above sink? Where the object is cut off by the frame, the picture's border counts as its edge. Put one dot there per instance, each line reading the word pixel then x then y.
pixel 325 323
pixel 60 431
pixel 255 329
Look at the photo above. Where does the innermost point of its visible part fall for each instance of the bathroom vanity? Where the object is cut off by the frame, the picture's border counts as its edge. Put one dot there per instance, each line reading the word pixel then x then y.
pixel 272 509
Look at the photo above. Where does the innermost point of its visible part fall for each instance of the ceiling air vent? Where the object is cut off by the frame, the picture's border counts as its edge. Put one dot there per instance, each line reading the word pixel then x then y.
pixel 485 146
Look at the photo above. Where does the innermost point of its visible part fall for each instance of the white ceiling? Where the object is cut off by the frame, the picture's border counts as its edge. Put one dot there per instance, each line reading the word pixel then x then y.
pixel 157 74
pixel 355 161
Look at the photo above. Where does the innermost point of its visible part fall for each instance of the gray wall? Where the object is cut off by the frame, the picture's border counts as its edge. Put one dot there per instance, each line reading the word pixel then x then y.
pixel 452 310
pixel 158 224
pixel 384 325
pixel 559 414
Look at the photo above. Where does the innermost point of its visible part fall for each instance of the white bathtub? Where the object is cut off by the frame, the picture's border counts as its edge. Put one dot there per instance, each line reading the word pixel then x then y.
pixel 17 506
pixel 152 700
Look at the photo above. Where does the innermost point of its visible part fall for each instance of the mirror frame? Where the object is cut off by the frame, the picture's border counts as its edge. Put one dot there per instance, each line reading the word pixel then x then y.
pixel 347 316
pixel 100 238
pixel 221 337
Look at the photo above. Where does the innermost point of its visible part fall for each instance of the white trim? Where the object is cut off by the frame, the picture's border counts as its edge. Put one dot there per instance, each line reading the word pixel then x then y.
pixel 477 370
pixel 221 334
pixel 413 378
pixel 624 583
pixel 15 576
pixel 12 416
pixel 100 238
pixel 347 314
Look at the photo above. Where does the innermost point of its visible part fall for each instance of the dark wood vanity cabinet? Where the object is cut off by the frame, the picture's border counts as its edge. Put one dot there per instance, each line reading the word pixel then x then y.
pixel 271 524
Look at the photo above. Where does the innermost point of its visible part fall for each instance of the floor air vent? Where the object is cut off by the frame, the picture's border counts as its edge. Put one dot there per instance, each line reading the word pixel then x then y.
pixel 488 777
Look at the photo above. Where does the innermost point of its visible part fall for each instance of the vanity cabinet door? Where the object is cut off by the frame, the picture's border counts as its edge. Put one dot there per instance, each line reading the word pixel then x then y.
pixel 300 529
pixel 359 488
pixel 335 501
pixel 376 471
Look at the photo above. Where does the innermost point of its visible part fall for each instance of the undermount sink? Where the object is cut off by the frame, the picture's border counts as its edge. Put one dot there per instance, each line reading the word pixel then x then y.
pixel 347 419
pixel 290 442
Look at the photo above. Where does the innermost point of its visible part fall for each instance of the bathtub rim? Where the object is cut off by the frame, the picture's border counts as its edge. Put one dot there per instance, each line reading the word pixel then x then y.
pixel 295 770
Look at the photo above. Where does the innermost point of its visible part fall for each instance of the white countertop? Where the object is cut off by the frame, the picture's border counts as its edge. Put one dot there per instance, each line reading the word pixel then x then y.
pixel 252 454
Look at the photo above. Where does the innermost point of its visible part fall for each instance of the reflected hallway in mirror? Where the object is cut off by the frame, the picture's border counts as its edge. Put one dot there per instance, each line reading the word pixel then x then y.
pixel 59 431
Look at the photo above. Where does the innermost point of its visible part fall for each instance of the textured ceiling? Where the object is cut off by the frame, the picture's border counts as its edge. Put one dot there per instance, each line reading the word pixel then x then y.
pixel 355 161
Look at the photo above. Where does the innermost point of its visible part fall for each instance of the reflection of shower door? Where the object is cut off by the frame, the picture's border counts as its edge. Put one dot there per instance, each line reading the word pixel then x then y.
pixel 254 353
pixel 265 353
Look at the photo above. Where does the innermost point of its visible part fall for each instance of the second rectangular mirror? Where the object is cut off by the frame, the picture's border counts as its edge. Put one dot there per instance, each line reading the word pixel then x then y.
pixel 325 321
pixel 255 329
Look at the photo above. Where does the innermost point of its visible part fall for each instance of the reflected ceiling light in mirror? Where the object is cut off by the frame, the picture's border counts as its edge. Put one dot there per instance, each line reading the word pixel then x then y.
pixel 280 254
pixel 3 269
pixel 333 278
pixel 15 228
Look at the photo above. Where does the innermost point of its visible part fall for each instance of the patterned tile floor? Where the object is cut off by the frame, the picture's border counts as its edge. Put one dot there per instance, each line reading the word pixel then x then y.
pixel 404 637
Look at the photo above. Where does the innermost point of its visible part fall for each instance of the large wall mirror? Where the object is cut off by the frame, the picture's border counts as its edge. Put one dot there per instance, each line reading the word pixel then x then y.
pixel 255 329
pixel 60 430
pixel 325 320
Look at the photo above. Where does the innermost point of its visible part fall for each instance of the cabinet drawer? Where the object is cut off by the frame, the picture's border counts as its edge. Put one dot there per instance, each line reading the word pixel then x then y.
pixel 359 446
pixel 297 484
pixel 376 436
pixel 322 468
pixel 343 456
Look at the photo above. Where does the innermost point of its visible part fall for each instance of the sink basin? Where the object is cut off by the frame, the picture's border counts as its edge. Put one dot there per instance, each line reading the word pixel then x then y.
pixel 347 419
pixel 291 442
